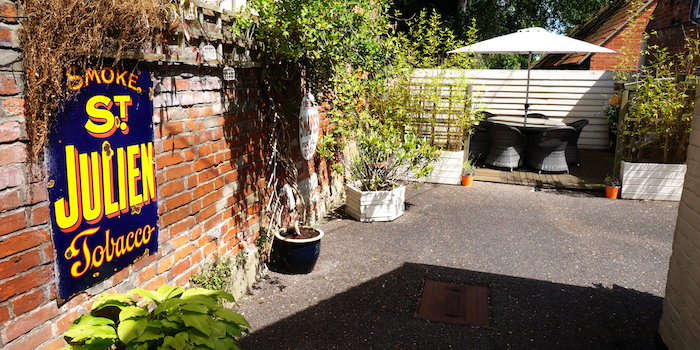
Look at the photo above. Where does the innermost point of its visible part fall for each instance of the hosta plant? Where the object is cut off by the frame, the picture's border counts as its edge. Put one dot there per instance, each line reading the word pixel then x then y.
pixel 170 318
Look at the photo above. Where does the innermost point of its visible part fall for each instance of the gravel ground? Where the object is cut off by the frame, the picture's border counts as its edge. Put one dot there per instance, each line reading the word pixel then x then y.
pixel 564 270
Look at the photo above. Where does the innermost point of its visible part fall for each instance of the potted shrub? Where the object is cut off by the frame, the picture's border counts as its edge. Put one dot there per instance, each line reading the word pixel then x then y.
pixel 612 186
pixel 168 318
pixel 468 171
pixel 382 156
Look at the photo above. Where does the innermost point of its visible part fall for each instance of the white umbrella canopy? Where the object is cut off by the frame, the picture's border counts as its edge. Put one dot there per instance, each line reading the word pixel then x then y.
pixel 528 41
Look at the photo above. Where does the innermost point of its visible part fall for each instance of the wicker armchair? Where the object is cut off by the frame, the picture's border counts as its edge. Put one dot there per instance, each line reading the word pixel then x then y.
pixel 507 146
pixel 572 146
pixel 480 141
pixel 547 149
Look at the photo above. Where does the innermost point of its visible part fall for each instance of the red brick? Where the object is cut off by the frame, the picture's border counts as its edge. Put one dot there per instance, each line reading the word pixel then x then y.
pixel 178 172
pixel 5 37
pixel 169 159
pixel 190 154
pixel 23 242
pixel 8 11
pixel 56 344
pixel 173 128
pixel 182 226
pixel 179 268
pixel 178 201
pixel 12 105
pixel 8 84
pixel 40 215
pixel 37 193
pixel 4 314
pixel 11 223
pixel 213 222
pixel 10 200
pixel 164 265
pixel 211 198
pixel 32 340
pixel 185 251
pixel 206 213
pixel 179 241
pixel 182 84
pixel 20 263
pixel 172 188
pixel 146 274
pixel 174 216
pixel 27 322
pixel 17 153
pixel 21 284
pixel 9 131
pixel 28 302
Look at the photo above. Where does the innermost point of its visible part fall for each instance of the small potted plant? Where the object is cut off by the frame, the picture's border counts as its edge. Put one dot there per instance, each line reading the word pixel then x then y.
pixel 468 171
pixel 612 186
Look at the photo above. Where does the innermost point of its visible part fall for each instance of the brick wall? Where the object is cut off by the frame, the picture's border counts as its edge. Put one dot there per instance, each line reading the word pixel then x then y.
pixel 680 322
pixel 632 36
pixel 671 20
pixel 211 175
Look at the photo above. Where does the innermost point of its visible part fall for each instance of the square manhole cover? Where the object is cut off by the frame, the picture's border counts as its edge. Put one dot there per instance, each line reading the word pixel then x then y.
pixel 454 303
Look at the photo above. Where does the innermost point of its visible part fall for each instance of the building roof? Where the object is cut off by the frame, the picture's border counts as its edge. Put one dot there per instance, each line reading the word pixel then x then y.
pixel 600 29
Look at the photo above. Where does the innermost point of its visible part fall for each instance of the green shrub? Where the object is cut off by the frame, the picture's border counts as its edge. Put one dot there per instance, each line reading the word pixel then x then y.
pixel 167 319
pixel 215 276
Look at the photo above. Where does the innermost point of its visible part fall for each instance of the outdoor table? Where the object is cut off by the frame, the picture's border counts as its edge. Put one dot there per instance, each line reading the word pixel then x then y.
pixel 534 125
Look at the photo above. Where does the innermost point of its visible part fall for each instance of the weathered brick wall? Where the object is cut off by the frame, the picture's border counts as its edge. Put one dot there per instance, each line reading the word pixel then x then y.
pixel 671 21
pixel 632 36
pixel 211 180
pixel 680 323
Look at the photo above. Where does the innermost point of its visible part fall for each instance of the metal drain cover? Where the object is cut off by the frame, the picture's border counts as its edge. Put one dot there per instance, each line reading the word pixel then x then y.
pixel 454 303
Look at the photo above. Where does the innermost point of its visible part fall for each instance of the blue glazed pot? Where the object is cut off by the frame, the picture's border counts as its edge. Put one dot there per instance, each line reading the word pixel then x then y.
pixel 299 255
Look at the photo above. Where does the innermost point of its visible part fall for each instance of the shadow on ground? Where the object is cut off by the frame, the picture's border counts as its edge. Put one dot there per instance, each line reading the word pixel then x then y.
pixel 524 314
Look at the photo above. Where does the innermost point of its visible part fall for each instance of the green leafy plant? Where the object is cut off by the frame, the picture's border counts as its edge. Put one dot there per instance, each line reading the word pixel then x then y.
pixel 612 181
pixel 469 167
pixel 215 275
pixel 169 318
pixel 660 110
pixel 241 258
pixel 384 155
pixel 264 243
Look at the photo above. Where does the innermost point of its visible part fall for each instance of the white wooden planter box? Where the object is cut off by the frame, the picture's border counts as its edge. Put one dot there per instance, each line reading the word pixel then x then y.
pixel 368 206
pixel 446 171
pixel 652 181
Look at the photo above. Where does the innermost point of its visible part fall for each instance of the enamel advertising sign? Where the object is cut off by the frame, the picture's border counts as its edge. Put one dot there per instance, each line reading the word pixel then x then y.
pixel 101 177
pixel 308 126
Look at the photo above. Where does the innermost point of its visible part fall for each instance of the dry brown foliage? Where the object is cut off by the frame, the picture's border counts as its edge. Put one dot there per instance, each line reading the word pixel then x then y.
pixel 60 34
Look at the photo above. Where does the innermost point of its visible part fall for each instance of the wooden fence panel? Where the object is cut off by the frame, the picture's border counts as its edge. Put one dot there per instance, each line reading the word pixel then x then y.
pixel 564 95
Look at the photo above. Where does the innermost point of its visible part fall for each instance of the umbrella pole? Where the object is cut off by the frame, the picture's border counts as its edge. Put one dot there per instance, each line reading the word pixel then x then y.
pixel 527 89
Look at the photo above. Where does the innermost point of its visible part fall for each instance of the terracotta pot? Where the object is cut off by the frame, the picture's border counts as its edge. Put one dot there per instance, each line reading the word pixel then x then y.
pixel 467 180
pixel 612 192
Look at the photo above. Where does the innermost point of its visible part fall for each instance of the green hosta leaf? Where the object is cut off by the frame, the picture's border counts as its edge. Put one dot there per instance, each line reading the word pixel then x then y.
pixel 151 333
pixel 226 344
pixel 197 321
pixel 180 341
pixel 89 327
pixel 231 316
pixel 216 294
pixel 144 294
pixel 133 311
pixel 210 302
pixel 131 329
pixel 139 346
pixel 175 318
pixel 198 337
pixel 217 328
pixel 111 299
pixel 171 325
pixel 233 330
pixel 166 292
pixel 167 306
pixel 198 308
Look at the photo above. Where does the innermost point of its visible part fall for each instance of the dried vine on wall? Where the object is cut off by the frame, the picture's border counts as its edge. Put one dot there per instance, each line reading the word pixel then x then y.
pixel 58 35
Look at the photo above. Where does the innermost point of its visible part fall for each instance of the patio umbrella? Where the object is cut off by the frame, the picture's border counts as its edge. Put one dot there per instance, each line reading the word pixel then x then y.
pixel 528 41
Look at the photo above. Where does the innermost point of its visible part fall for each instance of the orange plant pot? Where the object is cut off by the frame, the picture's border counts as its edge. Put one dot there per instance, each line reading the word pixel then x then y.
pixel 467 180
pixel 612 192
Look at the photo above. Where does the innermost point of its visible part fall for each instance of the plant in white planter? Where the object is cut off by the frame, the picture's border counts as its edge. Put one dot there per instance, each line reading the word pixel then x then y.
pixel 382 157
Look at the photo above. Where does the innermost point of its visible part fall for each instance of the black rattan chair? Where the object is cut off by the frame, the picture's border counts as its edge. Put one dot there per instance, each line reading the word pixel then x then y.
pixel 480 141
pixel 572 146
pixel 507 146
pixel 537 115
pixel 547 149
